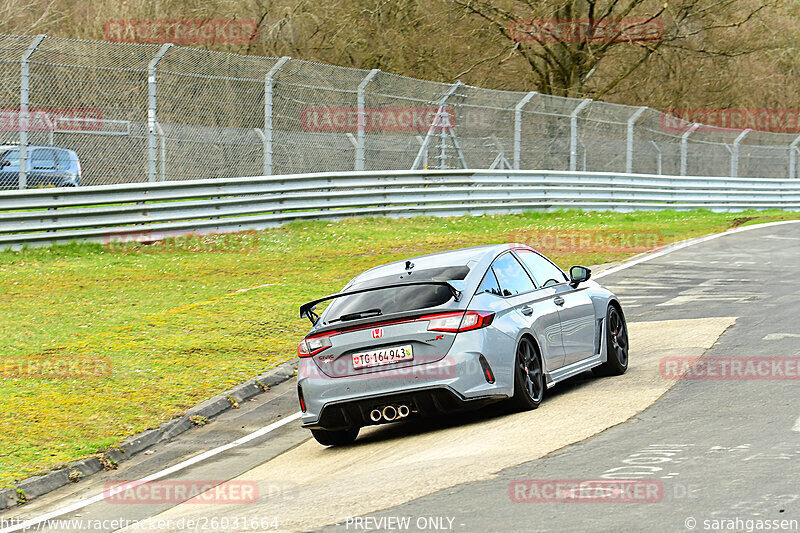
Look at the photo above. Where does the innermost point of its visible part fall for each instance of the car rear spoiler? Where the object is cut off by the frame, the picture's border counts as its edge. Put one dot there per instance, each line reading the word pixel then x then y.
pixel 307 309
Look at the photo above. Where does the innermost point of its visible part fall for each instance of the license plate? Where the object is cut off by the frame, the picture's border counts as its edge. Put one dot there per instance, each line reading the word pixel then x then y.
pixel 384 356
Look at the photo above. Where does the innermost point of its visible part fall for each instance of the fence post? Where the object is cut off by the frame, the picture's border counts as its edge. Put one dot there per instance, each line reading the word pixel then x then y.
pixel 23 119
pixel 360 104
pixel 793 158
pixel 735 153
pixel 163 156
pixel 573 133
pixel 658 157
pixel 629 149
pixel 152 153
pixel 518 127
pixel 269 80
pixel 685 146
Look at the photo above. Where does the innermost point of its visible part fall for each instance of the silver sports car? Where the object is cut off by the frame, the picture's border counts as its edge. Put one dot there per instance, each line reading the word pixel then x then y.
pixel 450 331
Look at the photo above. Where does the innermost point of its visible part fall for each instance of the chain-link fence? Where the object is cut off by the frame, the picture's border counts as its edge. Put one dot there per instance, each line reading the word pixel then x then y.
pixel 145 112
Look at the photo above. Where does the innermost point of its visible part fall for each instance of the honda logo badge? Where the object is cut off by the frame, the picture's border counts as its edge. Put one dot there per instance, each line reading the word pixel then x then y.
pixel 377 333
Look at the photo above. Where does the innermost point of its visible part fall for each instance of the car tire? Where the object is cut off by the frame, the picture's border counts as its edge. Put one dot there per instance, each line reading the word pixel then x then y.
pixel 616 344
pixel 529 381
pixel 341 437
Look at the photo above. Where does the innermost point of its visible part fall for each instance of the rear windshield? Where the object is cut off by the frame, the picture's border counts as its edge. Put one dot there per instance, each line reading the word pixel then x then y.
pixel 398 299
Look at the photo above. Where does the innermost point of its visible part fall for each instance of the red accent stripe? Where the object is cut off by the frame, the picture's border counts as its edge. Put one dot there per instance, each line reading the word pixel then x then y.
pixel 419 318
pixel 371 325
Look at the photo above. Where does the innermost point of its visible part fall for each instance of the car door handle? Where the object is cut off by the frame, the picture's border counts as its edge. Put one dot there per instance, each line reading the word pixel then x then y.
pixel 527 310
pixel 558 300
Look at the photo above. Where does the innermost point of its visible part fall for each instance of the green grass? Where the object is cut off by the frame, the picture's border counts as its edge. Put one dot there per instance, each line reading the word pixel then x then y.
pixel 174 327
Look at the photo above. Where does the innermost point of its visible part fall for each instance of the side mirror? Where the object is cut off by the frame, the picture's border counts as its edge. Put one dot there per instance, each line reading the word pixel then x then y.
pixel 578 274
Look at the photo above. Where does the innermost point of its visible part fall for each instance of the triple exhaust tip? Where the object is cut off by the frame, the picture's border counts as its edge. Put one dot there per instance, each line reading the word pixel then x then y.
pixel 390 413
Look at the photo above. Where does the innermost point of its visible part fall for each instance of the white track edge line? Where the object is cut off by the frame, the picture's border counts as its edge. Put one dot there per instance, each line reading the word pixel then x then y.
pixel 685 244
pixel 152 477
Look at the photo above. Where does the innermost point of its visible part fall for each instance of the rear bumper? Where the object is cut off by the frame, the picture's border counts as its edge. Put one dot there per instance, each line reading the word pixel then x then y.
pixel 427 401
pixel 454 382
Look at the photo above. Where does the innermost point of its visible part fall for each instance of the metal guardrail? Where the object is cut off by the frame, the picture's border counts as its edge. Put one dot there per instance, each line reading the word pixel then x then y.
pixel 148 212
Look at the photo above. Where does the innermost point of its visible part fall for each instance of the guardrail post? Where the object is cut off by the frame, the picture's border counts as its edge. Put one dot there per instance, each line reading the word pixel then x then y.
pixel 23 119
pixel 362 117
pixel 518 127
pixel 793 158
pixel 735 153
pixel 573 133
pixel 269 84
pixel 152 152
pixel 629 149
pixel 685 146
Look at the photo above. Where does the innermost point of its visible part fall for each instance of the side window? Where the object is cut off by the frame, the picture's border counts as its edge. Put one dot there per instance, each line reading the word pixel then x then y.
pixel 43 159
pixel 489 284
pixel 10 160
pixel 62 160
pixel 512 277
pixel 544 272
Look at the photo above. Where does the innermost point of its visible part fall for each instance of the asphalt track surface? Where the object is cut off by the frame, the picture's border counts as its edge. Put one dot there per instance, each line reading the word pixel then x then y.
pixel 647 451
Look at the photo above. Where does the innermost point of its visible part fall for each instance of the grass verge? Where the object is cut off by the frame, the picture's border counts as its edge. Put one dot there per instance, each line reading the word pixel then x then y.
pixel 101 342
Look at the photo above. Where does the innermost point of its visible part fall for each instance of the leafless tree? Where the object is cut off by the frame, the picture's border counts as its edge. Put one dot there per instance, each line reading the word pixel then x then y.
pixel 613 36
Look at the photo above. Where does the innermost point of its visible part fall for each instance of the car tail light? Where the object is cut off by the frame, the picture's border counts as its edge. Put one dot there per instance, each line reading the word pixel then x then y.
pixel 313 345
pixel 475 320
pixel 444 322
pixel 458 321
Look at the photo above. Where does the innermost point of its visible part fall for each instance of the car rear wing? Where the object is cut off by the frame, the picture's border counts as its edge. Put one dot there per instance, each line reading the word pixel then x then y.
pixel 307 309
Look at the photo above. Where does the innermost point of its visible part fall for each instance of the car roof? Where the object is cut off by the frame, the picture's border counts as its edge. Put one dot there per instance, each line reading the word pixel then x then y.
pixel 13 146
pixel 458 257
